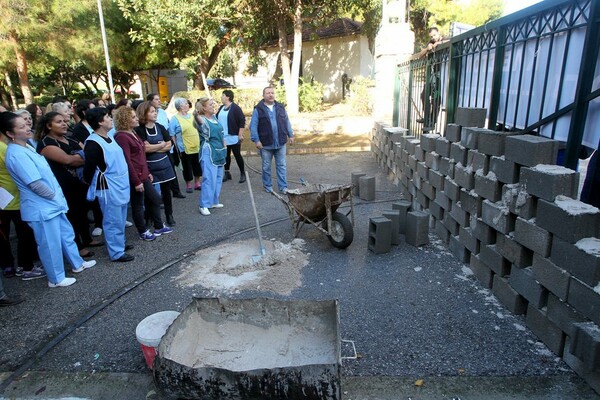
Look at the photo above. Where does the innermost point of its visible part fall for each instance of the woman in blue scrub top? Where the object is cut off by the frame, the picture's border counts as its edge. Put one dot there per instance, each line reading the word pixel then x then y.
pixel 43 205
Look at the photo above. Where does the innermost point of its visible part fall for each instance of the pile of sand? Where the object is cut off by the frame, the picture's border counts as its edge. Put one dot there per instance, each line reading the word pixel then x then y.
pixel 229 268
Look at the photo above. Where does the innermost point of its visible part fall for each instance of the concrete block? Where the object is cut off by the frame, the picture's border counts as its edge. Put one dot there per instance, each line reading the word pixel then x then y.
pixel 563 315
pixel 453 132
pixel 549 181
pixel 404 139
pixel 554 278
pixel 586 345
pixel 436 179
pixel 428 141
pixel 458 153
pixel 483 273
pixel 447 167
pixel 458 249
pixel 482 231
pixel 543 328
pixel 436 211
pixel 355 183
pixel 459 214
pixel 581 259
pixel 404 207
pixel 451 189
pixel 380 235
pixel 468 240
pixel 478 161
pixel 592 378
pixel 497 216
pixel 506 171
pixel 442 147
pixel 470 117
pixel 442 232
pixel 394 216
pixel 487 186
pixel 532 236
pixel 451 224
pixel 568 219
pixel 494 260
pixel 517 254
pixel 366 188
pixel 410 145
pixel 464 176
pixel 428 190
pixel 471 202
pixel 417 228
pixel 491 142
pixel 508 296
pixel 469 137
pixel 422 201
pixel 442 200
pixel 584 299
pixel 423 170
pixel 524 282
pixel 419 153
pixel 530 150
pixel 519 202
pixel 412 162
pixel 432 160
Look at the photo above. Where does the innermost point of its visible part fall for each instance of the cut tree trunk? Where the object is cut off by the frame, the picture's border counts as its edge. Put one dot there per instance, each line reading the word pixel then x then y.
pixel 21 67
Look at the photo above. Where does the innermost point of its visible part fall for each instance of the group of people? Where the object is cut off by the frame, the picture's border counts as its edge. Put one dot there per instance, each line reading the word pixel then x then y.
pixel 110 157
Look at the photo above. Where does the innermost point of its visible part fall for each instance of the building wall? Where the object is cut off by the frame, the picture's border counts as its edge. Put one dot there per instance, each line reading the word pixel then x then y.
pixel 176 81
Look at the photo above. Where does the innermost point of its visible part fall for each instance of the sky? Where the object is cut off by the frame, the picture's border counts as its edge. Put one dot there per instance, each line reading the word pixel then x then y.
pixel 510 6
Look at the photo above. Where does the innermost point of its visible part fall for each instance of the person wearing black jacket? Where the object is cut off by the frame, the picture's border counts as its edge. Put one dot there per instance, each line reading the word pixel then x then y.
pixel 232 118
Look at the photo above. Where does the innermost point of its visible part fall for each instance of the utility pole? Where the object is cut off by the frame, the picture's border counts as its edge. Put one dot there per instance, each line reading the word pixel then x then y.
pixel 111 87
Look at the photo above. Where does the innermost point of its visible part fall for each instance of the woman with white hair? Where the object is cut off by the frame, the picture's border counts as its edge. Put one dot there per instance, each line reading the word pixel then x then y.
pixel 187 139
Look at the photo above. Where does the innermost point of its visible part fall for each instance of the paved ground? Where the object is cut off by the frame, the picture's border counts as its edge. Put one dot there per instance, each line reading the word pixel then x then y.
pixel 413 313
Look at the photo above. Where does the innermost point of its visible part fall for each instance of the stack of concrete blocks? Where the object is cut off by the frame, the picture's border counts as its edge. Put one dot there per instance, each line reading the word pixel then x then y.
pixel 501 206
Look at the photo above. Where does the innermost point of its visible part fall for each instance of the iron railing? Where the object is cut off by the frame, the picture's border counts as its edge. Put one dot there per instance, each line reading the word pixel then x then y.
pixel 536 71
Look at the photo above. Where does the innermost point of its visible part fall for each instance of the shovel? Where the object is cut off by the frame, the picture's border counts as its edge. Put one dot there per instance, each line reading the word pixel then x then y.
pixel 262 250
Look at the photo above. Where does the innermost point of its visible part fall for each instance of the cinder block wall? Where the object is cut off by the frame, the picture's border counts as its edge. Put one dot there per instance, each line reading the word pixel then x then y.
pixel 501 206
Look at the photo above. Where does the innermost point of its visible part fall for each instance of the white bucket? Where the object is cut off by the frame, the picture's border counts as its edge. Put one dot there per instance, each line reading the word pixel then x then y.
pixel 150 330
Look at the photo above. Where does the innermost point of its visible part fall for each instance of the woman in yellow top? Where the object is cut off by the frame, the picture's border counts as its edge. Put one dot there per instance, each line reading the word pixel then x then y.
pixel 26 245
pixel 187 140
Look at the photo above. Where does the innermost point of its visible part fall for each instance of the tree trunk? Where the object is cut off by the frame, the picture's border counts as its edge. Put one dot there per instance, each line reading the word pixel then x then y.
pixel 206 64
pixel 284 56
pixel 292 86
pixel 11 91
pixel 21 67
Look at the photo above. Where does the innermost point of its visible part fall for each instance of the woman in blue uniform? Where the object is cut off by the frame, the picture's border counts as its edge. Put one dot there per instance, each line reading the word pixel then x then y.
pixel 43 205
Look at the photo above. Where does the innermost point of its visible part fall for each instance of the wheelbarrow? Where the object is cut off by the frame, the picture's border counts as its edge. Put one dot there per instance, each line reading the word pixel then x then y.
pixel 317 204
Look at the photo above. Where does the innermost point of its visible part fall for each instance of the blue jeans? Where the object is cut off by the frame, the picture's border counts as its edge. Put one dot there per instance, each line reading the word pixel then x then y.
pixel 267 155
pixel 212 180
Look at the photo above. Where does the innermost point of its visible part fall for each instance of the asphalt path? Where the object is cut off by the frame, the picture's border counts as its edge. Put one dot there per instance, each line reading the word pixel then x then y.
pixel 413 313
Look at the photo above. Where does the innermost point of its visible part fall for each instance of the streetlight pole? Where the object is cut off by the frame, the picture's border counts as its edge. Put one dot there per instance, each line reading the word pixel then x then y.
pixel 111 87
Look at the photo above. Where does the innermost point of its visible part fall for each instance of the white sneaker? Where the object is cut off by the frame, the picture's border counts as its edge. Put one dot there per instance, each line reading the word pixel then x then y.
pixel 64 283
pixel 204 211
pixel 85 265
pixel 217 206
pixel 128 224
pixel 97 232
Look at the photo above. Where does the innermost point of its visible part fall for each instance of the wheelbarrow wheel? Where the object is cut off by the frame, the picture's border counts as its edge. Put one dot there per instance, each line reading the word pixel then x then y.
pixel 341 232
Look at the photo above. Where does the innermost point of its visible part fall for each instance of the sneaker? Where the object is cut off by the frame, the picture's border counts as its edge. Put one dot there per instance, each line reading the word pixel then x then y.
pixel 217 205
pixel 163 231
pixel 242 179
pixel 85 265
pixel 35 273
pixel 189 190
pixel 204 211
pixel 11 301
pixel 128 224
pixel 19 271
pixel 97 232
pixel 9 272
pixel 147 236
pixel 268 189
pixel 283 191
pixel 125 258
pixel 64 283
pixel 198 188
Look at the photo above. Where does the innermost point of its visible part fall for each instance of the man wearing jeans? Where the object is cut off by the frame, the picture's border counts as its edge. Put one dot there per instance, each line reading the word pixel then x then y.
pixel 270 130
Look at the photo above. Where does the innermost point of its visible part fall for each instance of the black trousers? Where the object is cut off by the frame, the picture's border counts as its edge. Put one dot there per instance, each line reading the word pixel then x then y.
pixel 77 215
pixel 26 244
pixel 237 153
pixel 152 202
pixel 167 198
pixel 191 166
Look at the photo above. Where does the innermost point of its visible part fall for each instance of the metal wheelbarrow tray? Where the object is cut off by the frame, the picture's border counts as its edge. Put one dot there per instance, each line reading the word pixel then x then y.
pixel 251 349
pixel 317 205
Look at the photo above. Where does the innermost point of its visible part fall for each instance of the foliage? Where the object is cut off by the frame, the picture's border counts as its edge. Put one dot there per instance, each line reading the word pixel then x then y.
pixel 360 97
pixel 245 98
pixel 310 95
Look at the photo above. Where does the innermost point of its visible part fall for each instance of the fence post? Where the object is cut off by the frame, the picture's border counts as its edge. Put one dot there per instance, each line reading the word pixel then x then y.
pixel 584 86
pixel 497 77
pixel 453 79
pixel 410 99
pixel 396 114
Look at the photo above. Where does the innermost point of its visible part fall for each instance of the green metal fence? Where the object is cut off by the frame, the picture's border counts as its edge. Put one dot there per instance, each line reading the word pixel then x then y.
pixel 536 71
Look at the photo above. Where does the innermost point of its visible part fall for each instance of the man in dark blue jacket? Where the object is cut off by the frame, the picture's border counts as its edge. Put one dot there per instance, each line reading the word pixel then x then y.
pixel 270 130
